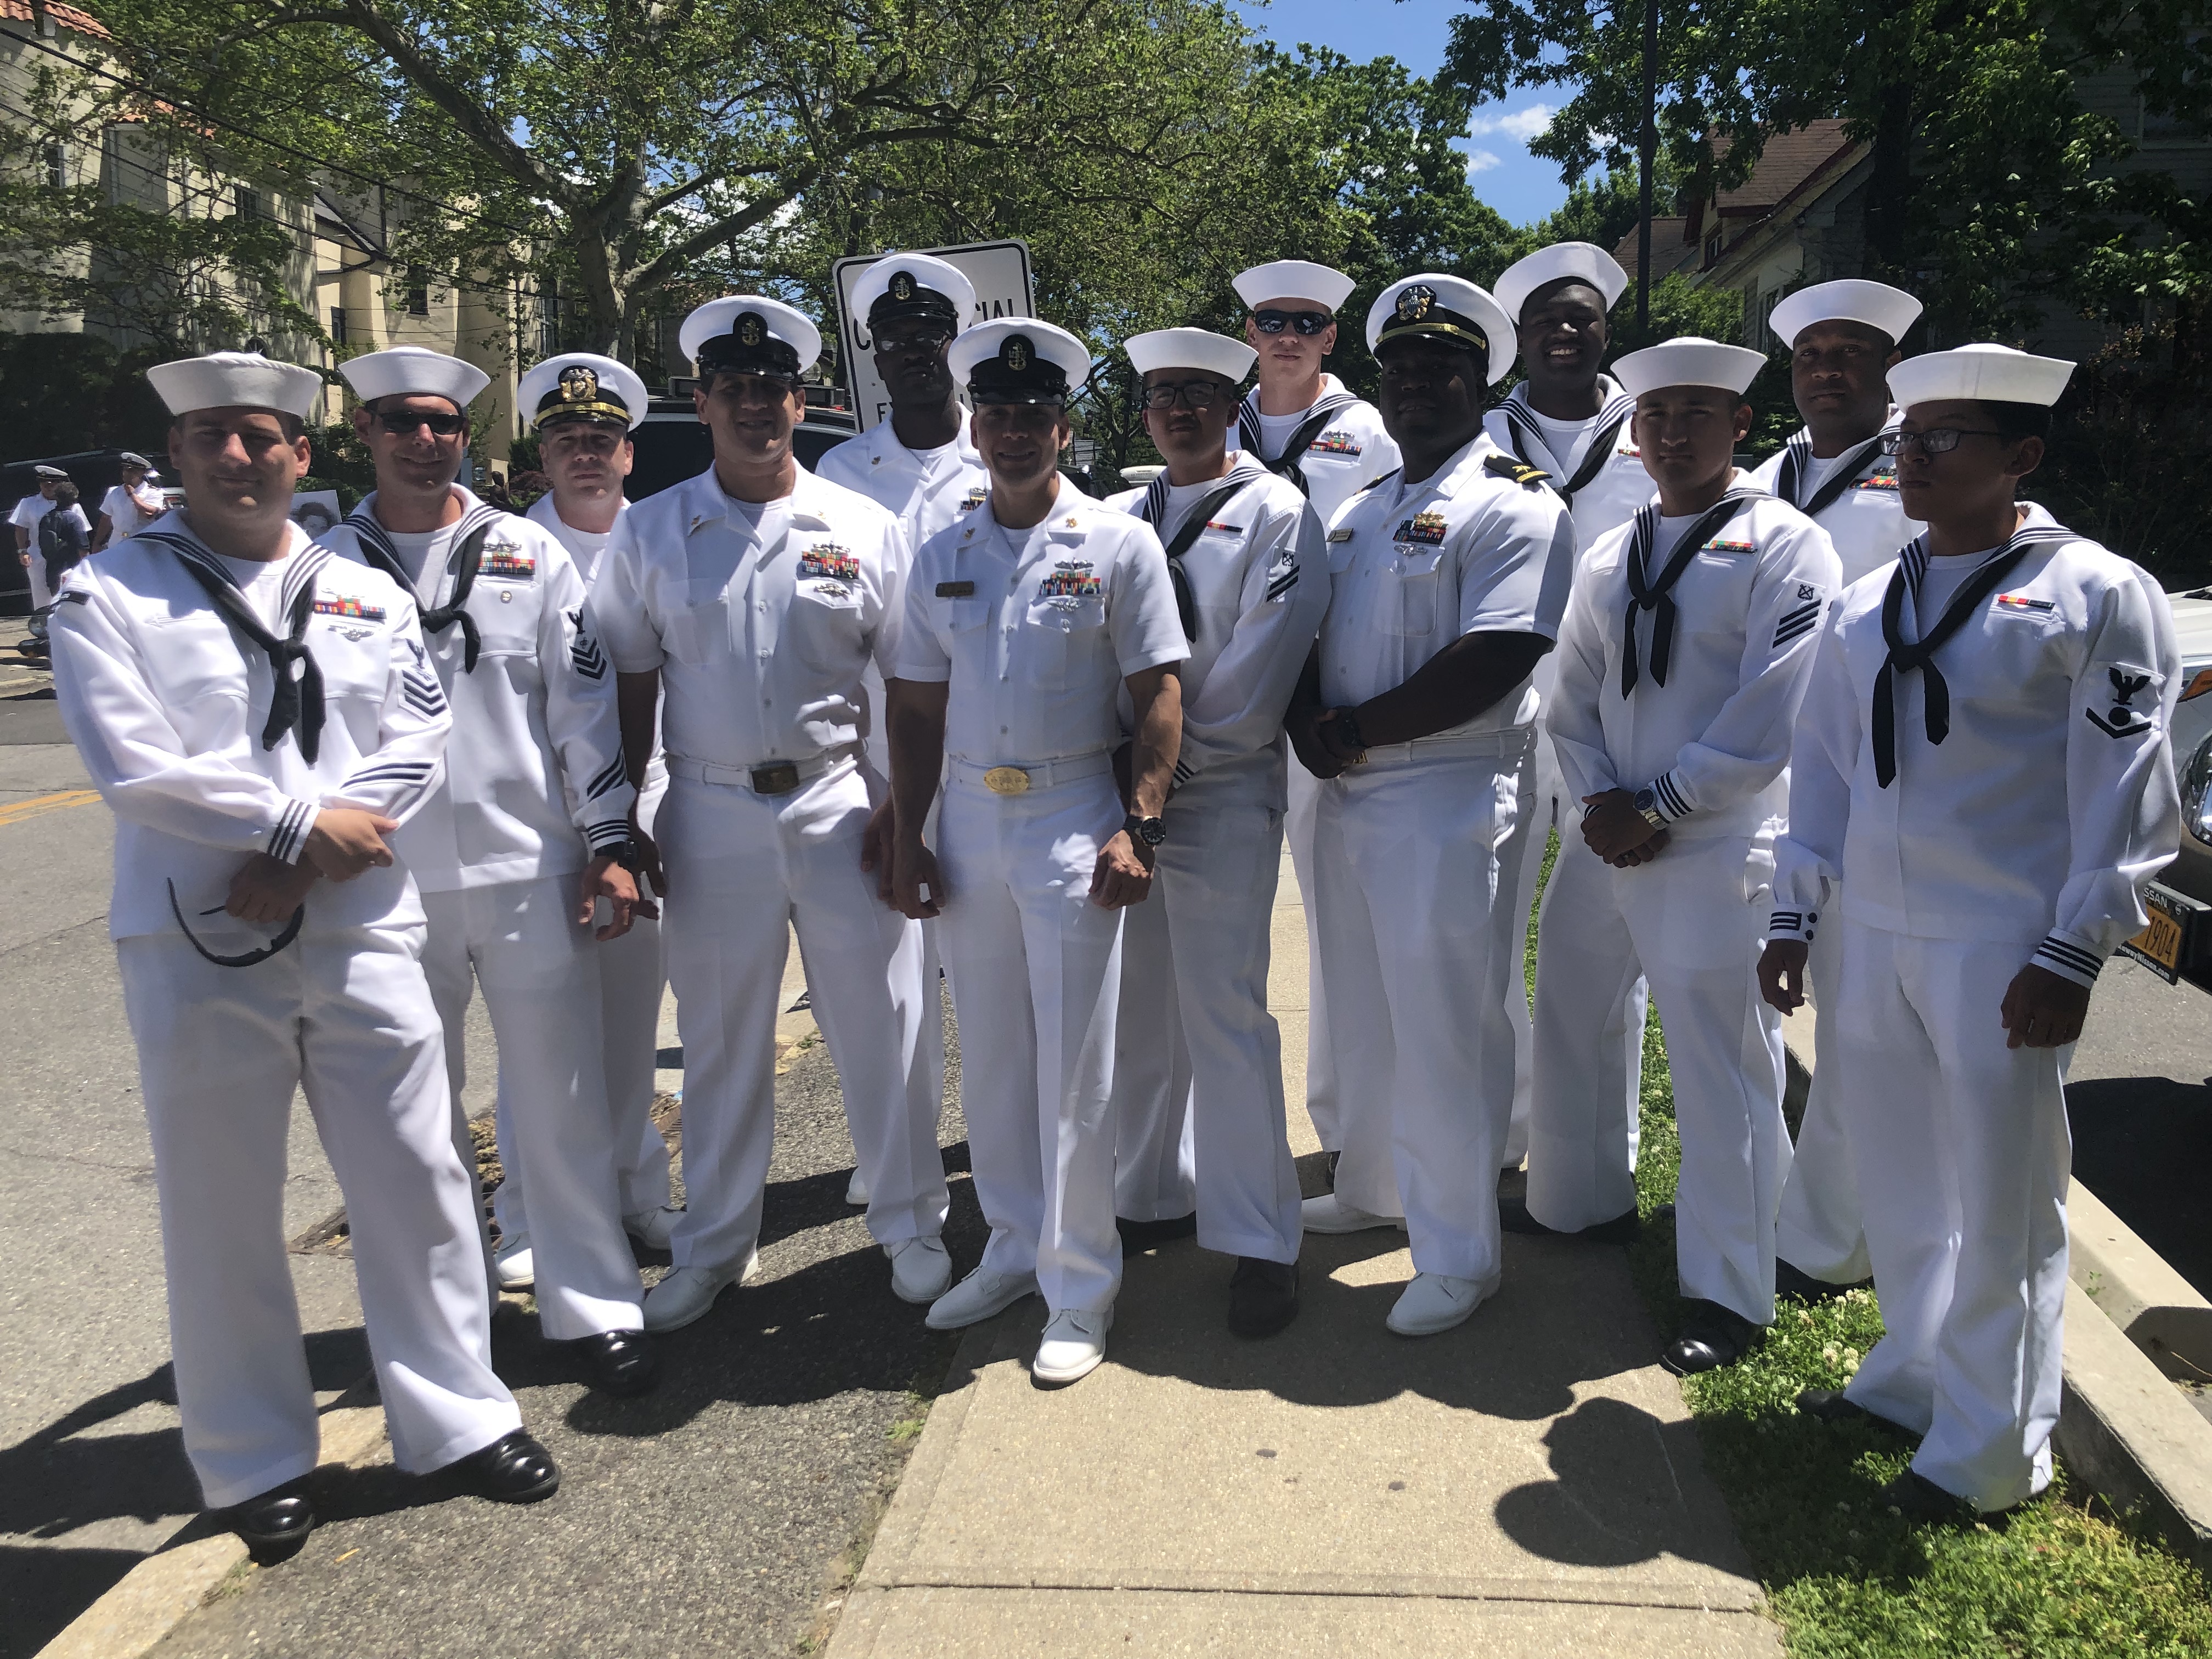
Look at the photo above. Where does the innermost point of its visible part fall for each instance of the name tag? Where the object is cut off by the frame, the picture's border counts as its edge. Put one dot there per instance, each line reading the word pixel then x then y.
pixel 955 590
pixel 1340 535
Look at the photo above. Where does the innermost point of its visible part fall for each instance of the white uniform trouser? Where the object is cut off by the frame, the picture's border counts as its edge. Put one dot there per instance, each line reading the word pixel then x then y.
pixel 346 1015
pixel 744 870
pixel 1692 922
pixel 1322 1095
pixel 1538 811
pixel 1036 970
pixel 1416 883
pixel 877 747
pixel 1198 1062
pixel 1819 1232
pixel 519 943
pixel 1963 1151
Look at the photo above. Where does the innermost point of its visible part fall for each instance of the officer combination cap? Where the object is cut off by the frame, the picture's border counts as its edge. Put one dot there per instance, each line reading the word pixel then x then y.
pixel 1887 311
pixel 412 372
pixel 1448 309
pixel 581 386
pixel 43 471
pixel 1020 360
pixel 1985 374
pixel 132 458
pixel 235 379
pixel 1191 348
pixel 750 334
pixel 1580 262
pixel 1293 279
pixel 917 287
pixel 1689 361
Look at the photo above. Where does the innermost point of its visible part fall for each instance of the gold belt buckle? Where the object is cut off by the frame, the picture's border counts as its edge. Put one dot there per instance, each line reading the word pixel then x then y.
pixel 780 779
pixel 1006 781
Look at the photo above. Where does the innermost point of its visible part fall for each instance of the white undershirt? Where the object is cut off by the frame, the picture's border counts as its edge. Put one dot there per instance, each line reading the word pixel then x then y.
pixel 766 519
pixel 263 584
pixel 1276 430
pixel 423 549
pixel 1182 498
pixel 1817 472
pixel 1566 440
pixel 1944 578
pixel 942 459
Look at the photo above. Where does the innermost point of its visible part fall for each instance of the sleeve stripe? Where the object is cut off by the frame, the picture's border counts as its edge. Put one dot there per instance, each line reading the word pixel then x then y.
pixel 291 831
pixel 1670 798
pixel 601 837
pixel 1812 609
pixel 2070 959
pixel 1784 635
pixel 611 774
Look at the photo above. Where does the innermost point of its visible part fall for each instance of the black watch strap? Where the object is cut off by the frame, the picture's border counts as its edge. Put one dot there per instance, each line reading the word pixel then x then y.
pixel 1151 831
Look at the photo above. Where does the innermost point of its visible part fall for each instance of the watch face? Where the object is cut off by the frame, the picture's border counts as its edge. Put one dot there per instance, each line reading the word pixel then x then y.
pixel 1644 801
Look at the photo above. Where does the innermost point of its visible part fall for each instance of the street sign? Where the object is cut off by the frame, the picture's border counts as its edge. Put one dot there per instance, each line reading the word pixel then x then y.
pixel 1000 272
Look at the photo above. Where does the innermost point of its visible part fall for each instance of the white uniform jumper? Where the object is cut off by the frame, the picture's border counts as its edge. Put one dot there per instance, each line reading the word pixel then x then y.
pixel 1198 1091
pixel 1598 471
pixel 1035 631
pixel 1853 496
pixel 1692 694
pixel 534 786
pixel 2001 801
pixel 170 705
pixel 760 619
pixel 1414 849
pixel 1345 450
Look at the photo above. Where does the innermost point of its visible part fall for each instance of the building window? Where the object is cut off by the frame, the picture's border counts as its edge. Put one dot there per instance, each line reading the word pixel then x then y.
pixel 1713 248
pixel 246 201
pixel 337 326
pixel 57 166
pixel 418 292
pixel 548 320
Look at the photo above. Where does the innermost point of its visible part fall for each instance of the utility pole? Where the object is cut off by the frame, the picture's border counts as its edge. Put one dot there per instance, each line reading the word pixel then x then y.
pixel 1647 154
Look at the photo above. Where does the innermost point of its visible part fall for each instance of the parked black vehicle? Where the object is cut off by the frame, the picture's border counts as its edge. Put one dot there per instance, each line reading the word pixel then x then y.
pixel 672 446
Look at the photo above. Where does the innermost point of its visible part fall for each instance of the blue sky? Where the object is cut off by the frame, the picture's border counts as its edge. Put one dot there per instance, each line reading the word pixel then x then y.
pixel 1520 185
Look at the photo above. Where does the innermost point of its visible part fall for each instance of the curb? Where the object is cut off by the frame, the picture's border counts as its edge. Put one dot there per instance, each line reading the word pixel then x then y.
pixel 2160 1311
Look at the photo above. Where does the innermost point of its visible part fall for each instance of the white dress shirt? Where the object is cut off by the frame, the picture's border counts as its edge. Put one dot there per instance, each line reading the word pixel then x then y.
pixel 125 516
pixel 1865 520
pixel 925 488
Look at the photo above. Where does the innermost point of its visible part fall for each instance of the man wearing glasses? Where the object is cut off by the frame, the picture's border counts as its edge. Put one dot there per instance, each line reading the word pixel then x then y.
pixel 1983 757
pixel 754 596
pixel 525 836
pixel 1300 422
pixel 1198 1093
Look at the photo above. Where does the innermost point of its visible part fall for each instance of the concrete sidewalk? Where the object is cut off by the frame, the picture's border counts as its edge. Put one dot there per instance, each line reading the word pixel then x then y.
pixel 1526 1485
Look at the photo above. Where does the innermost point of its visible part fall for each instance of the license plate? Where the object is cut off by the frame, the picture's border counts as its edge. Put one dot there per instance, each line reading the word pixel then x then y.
pixel 2159 946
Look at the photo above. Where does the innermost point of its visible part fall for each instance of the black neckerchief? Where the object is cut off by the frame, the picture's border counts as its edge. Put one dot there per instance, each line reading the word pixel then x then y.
pixel 1797 461
pixel 467 556
pixel 1646 594
pixel 1286 465
pixel 1154 508
pixel 296 702
pixel 1615 414
pixel 1905 658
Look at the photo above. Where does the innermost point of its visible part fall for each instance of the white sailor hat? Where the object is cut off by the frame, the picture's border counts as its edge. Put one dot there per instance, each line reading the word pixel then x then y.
pixel 235 379
pixel 44 471
pixel 915 286
pixel 1293 279
pixel 1886 310
pixel 581 385
pixel 1985 373
pixel 750 334
pixel 1581 262
pixel 1688 360
pixel 1020 360
pixel 412 372
pixel 1448 309
pixel 1190 347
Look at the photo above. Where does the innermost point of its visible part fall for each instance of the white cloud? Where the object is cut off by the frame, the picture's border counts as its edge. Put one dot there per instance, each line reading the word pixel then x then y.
pixel 1521 124
pixel 1481 161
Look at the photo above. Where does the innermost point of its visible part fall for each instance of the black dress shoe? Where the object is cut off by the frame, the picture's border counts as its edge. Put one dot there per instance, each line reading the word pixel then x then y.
pixel 1263 1297
pixel 275 1523
pixel 512 1469
pixel 1663 1212
pixel 621 1363
pixel 1834 1405
pixel 1149 1235
pixel 1513 1215
pixel 1796 1281
pixel 1917 1498
pixel 1712 1336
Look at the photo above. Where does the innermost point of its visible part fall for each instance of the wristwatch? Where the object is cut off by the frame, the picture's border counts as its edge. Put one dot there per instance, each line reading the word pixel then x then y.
pixel 1151 831
pixel 1647 807
pixel 630 854
pixel 1347 723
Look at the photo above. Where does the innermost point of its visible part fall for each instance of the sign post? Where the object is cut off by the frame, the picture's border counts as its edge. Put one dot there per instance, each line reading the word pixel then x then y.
pixel 1000 272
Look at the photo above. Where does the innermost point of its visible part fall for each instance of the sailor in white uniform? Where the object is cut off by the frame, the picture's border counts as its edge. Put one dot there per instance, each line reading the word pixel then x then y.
pixel 1843 339
pixel 1570 422
pixel 1300 422
pixel 128 508
pixel 1198 1092
pixel 1024 624
pixel 753 597
pixel 583 408
pixel 515 849
pixel 261 717
pixel 1984 759
pixel 1448 580
pixel 1682 663
pixel 920 463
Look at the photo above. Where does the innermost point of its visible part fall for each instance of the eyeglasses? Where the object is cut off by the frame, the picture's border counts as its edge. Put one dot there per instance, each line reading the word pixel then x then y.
pixel 1196 394
pixel 403 422
pixel 923 339
pixel 1303 322
pixel 1936 441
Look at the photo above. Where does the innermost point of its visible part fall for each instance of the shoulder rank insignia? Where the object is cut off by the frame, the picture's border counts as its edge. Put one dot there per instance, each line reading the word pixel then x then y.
pixel 1519 471
pixel 2121 721
pixel 1425 527
pixel 1334 443
pixel 1382 478
pixel 828 559
pixel 332 605
pixel 507 564
pixel 1343 535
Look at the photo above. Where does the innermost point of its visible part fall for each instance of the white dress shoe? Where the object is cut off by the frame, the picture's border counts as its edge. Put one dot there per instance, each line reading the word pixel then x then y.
pixel 920 1269
pixel 1330 1214
pixel 686 1293
pixel 856 1191
pixel 977 1296
pixel 513 1264
pixel 1433 1303
pixel 652 1228
pixel 1074 1342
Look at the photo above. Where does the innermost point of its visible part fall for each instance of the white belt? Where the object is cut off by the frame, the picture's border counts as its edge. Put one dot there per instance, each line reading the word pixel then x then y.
pixel 777 777
pixel 1508 743
pixel 1020 779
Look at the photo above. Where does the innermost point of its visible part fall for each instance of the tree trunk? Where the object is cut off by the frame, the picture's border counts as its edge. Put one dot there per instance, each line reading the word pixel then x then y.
pixel 1889 198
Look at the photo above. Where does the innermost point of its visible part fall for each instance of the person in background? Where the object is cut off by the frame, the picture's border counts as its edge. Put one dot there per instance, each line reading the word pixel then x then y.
pixel 130 506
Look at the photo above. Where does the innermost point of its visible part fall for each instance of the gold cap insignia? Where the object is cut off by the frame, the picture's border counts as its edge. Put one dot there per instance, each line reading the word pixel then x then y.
pixel 901 286
pixel 751 329
pixel 1413 304
pixel 1017 353
pixel 578 385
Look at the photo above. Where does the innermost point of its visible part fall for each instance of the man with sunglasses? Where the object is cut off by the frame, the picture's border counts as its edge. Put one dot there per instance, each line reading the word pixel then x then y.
pixel 1300 422
pixel 522 840
pixel 1448 579
pixel 1197 1091
pixel 1983 758
pixel 745 605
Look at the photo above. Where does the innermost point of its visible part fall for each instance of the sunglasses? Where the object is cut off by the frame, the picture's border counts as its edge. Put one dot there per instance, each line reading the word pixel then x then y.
pixel 403 422
pixel 1936 441
pixel 1303 322
pixel 920 339
pixel 1198 394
